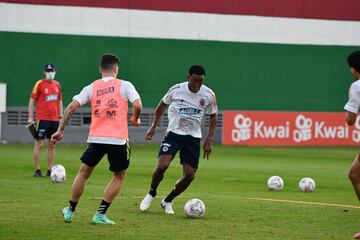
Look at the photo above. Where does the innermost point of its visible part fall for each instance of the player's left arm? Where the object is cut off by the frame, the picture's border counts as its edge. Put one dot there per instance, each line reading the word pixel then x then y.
pixel 61 108
pixel 210 137
pixel 353 105
pixel 70 109
pixel 350 118
pixel 61 105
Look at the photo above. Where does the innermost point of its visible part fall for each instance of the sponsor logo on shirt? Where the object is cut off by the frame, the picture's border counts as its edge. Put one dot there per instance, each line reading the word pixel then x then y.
pixel 53 97
pixel 98 103
pixel 110 114
pixel 105 91
pixel 189 111
pixel 97 113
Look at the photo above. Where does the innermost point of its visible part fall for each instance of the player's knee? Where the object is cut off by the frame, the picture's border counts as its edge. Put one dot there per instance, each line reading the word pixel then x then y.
pixel 354 176
pixel 189 176
pixel 39 144
pixel 85 172
pixel 120 175
pixel 50 146
pixel 162 167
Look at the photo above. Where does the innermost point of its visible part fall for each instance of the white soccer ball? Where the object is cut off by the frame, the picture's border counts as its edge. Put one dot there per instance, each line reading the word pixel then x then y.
pixel 58 174
pixel 275 183
pixel 307 184
pixel 194 208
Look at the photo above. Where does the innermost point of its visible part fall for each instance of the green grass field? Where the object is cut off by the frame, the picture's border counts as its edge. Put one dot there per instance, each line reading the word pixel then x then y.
pixel 227 183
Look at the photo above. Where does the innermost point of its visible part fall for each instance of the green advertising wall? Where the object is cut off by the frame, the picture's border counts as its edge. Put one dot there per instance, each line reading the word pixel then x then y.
pixel 244 76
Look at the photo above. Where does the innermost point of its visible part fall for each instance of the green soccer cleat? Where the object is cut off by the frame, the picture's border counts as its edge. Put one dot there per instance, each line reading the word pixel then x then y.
pixel 100 218
pixel 68 214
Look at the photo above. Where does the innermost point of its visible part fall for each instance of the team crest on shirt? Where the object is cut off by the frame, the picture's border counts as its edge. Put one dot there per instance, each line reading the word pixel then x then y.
pixel 202 102
pixel 112 103
pixel 46 90
pixel 56 90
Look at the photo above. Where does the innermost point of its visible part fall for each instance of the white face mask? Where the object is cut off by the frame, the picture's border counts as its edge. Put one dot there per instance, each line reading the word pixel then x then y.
pixel 50 75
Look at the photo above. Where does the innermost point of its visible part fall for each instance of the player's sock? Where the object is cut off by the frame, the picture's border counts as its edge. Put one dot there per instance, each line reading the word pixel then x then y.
pixel 152 192
pixel 103 207
pixel 72 205
pixel 173 194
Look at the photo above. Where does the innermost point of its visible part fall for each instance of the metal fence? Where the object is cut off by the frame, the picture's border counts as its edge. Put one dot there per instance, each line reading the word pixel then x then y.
pixel 14 123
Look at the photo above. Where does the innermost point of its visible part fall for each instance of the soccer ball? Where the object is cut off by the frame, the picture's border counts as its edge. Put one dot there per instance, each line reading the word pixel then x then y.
pixel 58 174
pixel 275 183
pixel 194 208
pixel 307 184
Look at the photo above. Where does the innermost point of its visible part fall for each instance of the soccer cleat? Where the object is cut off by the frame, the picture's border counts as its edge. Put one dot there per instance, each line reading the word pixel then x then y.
pixel 100 218
pixel 37 173
pixel 48 173
pixel 146 202
pixel 68 214
pixel 167 206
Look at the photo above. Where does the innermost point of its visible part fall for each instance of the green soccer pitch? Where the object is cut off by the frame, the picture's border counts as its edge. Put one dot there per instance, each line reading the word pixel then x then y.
pixel 232 185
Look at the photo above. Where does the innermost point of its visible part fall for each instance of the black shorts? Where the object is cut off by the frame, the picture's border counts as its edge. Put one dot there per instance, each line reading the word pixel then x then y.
pixel 46 128
pixel 118 155
pixel 188 145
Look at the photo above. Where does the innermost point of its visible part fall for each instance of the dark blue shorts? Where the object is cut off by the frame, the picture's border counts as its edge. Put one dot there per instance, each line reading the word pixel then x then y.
pixel 118 155
pixel 188 146
pixel 46 128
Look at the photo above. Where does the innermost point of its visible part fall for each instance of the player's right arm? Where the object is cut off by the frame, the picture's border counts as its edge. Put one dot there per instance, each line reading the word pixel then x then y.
pixel 33 99
pixel 70 109
pixel 166 100
pixel 78 100
pixel 157 115
pixel 31 110
pixel 353 105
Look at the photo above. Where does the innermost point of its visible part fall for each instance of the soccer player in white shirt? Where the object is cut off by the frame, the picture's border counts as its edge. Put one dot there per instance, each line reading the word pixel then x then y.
pixel 352 108
pixel 188 103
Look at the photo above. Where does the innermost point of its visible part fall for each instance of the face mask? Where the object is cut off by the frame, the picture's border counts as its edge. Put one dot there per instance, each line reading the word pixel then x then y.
pixel 50 75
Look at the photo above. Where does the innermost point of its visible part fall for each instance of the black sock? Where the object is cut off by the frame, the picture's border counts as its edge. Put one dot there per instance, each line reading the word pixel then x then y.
pixel 72 205
pixel 103 207
pixel 171 196
pixel 152 192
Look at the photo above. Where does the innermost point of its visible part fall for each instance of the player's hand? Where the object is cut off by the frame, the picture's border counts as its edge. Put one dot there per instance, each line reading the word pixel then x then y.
pixel 207 148
pixel 135 122
pixel 30 121
pixel 150 133
pixel 57 136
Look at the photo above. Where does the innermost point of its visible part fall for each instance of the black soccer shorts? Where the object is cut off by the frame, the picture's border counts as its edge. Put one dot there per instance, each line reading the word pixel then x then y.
pixel 188 146
pixel 118 155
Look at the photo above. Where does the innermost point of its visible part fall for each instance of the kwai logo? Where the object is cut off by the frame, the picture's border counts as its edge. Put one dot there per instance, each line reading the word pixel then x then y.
pixel 303 131
pixel 243 128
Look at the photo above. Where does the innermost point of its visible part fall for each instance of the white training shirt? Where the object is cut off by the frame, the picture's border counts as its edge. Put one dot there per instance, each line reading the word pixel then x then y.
pixel 186 108
pixel 127 91
pixel 354 98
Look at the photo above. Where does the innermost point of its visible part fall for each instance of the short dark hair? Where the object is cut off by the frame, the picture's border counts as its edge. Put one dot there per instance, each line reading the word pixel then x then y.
pixel 354 60
pixel 109 61
pixel 197 69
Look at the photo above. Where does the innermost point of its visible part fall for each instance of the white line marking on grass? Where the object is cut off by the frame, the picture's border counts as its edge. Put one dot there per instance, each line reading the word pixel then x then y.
pixel 302 202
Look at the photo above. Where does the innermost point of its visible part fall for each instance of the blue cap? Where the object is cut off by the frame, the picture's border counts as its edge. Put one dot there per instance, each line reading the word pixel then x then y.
pixel 49 67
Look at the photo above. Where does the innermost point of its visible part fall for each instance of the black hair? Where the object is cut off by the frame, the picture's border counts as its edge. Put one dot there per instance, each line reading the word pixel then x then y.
pixel 354 60
pixel 109 61
pixel 197 69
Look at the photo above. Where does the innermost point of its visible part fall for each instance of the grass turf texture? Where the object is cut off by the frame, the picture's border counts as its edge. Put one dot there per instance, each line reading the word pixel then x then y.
pixel 30 207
